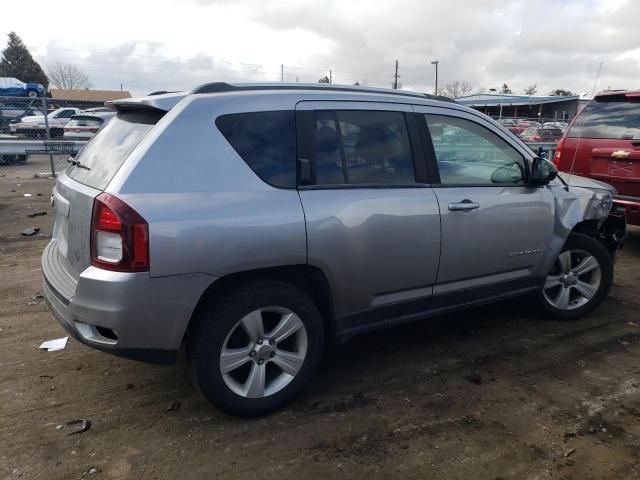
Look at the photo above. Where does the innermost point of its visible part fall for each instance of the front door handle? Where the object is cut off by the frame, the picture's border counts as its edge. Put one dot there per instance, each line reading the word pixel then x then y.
pixel 463 205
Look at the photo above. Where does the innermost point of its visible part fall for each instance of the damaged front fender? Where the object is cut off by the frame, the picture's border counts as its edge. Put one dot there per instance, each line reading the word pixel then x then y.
pixel 580 209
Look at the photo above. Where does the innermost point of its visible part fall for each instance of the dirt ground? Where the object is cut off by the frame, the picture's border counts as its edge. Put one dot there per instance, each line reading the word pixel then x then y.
pixel 492 393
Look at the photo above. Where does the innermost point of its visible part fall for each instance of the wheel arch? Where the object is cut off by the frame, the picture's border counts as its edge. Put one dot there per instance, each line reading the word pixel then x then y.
pixel 311 280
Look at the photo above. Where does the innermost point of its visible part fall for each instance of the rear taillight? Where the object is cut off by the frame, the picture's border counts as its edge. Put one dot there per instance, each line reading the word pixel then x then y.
pixel 556 156
pixel 536 138
pixel 119 236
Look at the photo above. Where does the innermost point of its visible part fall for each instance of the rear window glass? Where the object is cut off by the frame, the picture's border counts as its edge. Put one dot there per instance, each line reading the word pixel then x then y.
pixel 266 141
pixel 608 118
pixel 106 152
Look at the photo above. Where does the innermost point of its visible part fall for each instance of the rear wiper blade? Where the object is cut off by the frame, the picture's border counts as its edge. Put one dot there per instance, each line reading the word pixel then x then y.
pixel 76 163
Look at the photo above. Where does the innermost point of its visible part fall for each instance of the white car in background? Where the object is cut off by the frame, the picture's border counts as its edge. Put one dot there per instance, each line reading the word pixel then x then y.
pixel 86 125
pixel 34 126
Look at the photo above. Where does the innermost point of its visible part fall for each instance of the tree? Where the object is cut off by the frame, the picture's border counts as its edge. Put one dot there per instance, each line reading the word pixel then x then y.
pixel 562 92
pixel 455 89
pixel 17 62
pixel 324 79
pixel 531 89
pixel 505 89
pixel 67 76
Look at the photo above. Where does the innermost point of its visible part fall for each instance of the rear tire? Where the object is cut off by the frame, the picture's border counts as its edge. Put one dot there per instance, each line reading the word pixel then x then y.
pixel 241 340
pixel 579 280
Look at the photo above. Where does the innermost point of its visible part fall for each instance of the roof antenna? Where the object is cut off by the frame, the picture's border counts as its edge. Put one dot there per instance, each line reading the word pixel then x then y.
pixel 596 82
pixel 575 152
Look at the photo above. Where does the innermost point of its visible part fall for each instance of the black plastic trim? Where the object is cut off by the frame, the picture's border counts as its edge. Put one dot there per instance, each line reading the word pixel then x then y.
pixel 403 312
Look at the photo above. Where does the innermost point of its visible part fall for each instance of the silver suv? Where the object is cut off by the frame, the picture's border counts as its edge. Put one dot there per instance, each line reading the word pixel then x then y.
pixel 253 224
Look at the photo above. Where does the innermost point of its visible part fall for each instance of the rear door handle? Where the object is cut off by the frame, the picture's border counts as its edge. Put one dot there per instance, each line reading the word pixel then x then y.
pixel 463 205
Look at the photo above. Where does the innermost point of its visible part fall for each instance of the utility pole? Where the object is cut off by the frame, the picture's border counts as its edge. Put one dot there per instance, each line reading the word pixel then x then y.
pixel 282 73
pixel 395 77
pixel 330 76
pixel 435 62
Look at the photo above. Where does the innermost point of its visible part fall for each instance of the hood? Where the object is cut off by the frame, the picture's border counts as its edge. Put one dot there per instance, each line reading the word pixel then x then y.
pixel 583 182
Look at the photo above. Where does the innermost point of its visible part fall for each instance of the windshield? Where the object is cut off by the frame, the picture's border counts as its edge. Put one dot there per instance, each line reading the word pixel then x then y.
pixel 614 118
pixel 103 156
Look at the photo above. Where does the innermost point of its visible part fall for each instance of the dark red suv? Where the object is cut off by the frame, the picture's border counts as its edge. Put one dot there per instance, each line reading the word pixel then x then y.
pixel 603 142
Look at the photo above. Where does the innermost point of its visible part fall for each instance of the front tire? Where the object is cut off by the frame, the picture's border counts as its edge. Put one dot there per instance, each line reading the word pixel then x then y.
pixel 32 94
pixel 579 280
pixel 253 348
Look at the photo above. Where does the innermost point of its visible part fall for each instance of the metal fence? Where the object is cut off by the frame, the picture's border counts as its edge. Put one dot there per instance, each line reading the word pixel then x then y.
pixel 36 125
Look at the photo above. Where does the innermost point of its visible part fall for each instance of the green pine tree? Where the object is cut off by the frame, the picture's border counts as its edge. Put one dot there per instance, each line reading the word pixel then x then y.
pixel 17 62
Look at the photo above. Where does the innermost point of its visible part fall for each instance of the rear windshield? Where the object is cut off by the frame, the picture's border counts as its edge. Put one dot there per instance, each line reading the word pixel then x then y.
pixel 111 146
pixel 613 118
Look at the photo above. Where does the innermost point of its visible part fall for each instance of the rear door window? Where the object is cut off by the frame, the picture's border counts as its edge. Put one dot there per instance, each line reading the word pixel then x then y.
pixel 612 117
pixel 266 141
pixel 103 156
pixel 362 147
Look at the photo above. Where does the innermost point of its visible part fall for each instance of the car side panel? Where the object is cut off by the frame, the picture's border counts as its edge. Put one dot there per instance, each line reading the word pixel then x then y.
pixel 377 246
pixel 208 212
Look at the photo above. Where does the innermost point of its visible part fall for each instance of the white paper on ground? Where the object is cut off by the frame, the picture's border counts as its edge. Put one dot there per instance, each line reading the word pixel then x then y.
pixel 54 345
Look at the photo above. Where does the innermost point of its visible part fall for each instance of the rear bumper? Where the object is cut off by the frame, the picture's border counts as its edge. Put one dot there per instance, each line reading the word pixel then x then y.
pixel 128 314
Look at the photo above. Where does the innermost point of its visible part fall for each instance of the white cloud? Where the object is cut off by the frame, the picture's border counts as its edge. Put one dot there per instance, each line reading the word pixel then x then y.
pixel 176 44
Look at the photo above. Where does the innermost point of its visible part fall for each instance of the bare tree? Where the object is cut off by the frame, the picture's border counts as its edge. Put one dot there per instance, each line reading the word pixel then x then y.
pixel 456 89
pixel 324 79
pixel 67 76
pixel 531 89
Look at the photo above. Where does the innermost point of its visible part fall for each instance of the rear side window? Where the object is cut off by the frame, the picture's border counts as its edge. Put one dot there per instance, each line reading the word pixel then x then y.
pixel 608 117
pixel 106 152
pixel 362 147
pixel 266 141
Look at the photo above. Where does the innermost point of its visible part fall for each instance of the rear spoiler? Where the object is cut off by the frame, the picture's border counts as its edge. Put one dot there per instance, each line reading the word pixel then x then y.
pixel 163 102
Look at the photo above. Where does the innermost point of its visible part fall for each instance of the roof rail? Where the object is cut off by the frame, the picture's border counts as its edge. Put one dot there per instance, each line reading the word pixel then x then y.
pixel 223 87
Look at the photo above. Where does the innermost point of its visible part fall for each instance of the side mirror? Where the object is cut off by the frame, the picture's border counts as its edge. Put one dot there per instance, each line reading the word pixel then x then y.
pixel 542 171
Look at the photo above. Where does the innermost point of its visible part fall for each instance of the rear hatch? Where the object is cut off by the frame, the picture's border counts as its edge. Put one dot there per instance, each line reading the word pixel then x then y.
pixel 604 142
pixel 68 254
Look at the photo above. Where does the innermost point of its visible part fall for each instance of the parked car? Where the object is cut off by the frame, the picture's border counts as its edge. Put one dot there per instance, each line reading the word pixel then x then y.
pixel 12 87
pixel 14 113
pixel 85 126
pixel 561 125
pixel 239 222
pixel 537 134
pixel 35 126
pixel 603 142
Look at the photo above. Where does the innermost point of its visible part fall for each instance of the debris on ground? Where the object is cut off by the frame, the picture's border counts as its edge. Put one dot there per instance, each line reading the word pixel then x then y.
pixel 173 407
pixel 29 232
pixel 27 195
pixel 85 424
pixel 569 452
pixel 55 344
pixel 37 296
pixel 36 214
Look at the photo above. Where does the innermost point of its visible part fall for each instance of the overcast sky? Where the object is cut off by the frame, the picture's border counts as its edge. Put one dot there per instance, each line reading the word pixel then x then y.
pixel 178 44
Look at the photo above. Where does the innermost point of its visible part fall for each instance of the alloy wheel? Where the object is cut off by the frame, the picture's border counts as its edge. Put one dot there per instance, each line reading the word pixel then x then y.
pixel 263 352
pixel 573 281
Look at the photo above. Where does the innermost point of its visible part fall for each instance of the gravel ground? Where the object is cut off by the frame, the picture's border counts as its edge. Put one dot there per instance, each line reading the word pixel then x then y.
pixel 492 393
